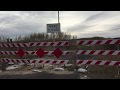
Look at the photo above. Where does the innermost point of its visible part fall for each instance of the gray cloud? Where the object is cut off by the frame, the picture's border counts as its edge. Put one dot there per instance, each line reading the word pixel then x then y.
pixel 83 26
pixel 80 28
pixel 100 24
pixel 80 23
pixel 45 15
pixel 8 19
pixel 114 28
pixel 94 17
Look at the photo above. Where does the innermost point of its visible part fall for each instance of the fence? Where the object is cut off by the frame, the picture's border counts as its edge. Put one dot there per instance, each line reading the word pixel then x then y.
pixel 28 53
pixel 22 52
pixel 97 53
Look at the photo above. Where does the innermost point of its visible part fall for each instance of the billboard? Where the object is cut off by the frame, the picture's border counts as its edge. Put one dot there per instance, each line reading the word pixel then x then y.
pixel 53 28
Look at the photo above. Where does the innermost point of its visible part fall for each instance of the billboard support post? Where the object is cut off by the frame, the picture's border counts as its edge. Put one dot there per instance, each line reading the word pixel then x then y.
pixel 54 28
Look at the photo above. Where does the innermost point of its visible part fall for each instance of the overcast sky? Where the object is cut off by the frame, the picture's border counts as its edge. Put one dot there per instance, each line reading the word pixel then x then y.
pixel 80 23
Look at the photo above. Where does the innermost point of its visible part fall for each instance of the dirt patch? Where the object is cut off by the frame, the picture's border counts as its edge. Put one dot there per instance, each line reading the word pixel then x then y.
pixel 101 76
pixel 25 73
pixel 40 75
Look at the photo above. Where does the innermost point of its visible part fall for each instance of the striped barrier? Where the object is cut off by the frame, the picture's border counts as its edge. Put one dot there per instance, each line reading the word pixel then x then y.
pixel 39 52
pixel 60 43
pixel 98 52
pixel 49 61
pixel 99 62
pixel 97 42
pixel 31 52
pixel 14 45
pixel 28 61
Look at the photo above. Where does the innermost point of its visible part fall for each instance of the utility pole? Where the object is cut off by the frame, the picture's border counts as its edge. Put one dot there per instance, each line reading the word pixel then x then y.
pixel 54 33
pixel 58 16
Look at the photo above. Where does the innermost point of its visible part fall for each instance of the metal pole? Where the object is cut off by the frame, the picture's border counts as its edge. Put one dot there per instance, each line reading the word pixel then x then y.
pixel 58 16
pixel 54 39
pixel 58 22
